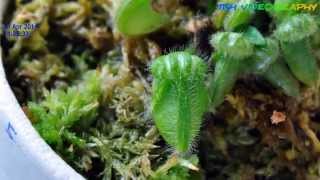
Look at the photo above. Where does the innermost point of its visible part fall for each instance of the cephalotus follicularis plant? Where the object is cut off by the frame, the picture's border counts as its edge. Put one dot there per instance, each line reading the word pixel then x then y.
pixel 294 33
pixel 180 92
pixel 180 97
pixel 183 90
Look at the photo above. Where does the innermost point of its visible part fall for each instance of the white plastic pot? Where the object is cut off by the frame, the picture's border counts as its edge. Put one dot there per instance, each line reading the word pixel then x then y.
pixel 23 153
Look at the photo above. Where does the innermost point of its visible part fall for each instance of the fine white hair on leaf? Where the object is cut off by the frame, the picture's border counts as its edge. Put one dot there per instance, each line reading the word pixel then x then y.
pixel 180 97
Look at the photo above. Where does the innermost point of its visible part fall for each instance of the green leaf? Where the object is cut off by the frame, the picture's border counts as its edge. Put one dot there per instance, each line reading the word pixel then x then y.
pixel 239 17
pixel 225 75
pixel 179 97
pixel 231 44
pixel 279 75
pixel 232 49
pixel 296 28
pixel 301 61
pixel 136 17
pixel 254 36
pixel 263 57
